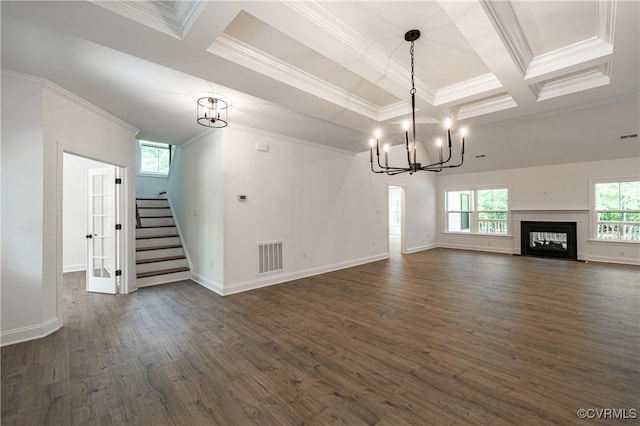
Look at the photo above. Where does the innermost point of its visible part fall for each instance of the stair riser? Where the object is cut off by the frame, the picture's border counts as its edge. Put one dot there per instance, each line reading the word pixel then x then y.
pixel 158 266
pixel 154 212
pixel 156 221
pixel 152 203
pixel 155 232
pixel 153 254
pixel 155 242
pixel 163 279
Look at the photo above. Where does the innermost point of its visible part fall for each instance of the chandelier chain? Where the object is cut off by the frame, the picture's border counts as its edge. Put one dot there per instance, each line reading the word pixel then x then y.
pixel 413 85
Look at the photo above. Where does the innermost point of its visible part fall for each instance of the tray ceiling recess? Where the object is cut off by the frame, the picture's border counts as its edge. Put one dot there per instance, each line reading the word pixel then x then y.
pixel 573 58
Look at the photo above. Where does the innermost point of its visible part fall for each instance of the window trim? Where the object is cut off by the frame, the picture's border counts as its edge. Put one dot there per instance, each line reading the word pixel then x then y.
pixel 473 213
pixel 162 145
pixel 593 213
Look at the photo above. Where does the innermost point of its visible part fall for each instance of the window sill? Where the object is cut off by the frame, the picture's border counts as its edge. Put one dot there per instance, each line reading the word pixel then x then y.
pixel 156 175
pixel 477 234
pixel 625 242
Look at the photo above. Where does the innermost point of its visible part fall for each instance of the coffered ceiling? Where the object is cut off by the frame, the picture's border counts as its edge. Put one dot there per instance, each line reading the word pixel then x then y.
pixel 537 82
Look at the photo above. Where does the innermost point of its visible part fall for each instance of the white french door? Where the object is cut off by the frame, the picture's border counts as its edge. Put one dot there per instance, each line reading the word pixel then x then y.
pixel 101 231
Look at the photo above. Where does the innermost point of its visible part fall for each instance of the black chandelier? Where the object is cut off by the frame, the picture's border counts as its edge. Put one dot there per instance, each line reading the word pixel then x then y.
pixel 412 160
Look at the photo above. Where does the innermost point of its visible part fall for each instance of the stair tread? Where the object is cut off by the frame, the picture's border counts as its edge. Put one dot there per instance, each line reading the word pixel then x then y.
pixel 158 236
pixel 171 246
pixel 159 259
pixel 153 217
pixel 155 226
pixel 150 199
pixel 161 272
pixel 152 208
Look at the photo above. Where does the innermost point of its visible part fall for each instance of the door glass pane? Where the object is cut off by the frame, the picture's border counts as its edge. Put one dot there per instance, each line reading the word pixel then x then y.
pixel 97 204
pixel 97 184
pixel 97 225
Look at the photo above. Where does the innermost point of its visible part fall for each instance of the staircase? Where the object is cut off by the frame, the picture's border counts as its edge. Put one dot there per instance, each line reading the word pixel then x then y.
pixel 160 257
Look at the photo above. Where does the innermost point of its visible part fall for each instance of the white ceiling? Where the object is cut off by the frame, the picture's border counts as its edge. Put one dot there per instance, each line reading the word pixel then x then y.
pixel 536 82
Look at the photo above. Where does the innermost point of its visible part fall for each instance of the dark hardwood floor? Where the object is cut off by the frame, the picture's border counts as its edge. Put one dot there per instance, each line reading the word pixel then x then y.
pixel 437 337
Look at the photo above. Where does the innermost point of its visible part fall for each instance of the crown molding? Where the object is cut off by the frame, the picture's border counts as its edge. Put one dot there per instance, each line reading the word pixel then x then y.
pixel 243 54
pixel 587 79
pixel 506 24
pixel 580 54
pixel 468 88
pixel 48 85
pixel 374 58
pixel 395 110
pixel 486 106
pixel 583 54
pixel 606 19
pixel 173 21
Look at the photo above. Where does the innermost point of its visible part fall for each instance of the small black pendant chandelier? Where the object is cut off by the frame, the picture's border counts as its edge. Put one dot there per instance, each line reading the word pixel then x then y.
pixel 412 162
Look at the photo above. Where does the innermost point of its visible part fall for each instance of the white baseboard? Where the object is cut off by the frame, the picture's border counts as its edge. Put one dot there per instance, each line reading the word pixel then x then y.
pixel 281 278
pixel 610 259
pixel 207 283
pixel 421 248
pixel 74 268
pixel 31 332
pixel 489 249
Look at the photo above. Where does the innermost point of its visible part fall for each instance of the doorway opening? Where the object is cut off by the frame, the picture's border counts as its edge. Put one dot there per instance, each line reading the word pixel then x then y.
pixel 92 245
pixel 396 220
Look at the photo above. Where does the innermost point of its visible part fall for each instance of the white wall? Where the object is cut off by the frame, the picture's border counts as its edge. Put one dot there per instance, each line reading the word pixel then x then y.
pixel 195 193
pixel 74 220
pixel 326 205
pixel 40 121
pixel 559 192
pixel 22 198
pixel 150 186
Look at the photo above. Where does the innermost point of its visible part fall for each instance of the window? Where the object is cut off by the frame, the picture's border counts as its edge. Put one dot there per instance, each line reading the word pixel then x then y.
pixel 493 206
pixel 482 211
pixel 458 210
pixel 617 210
pixel 155 157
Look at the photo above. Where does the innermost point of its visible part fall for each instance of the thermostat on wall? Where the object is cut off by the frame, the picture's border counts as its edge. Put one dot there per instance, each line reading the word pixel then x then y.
pixel 242 198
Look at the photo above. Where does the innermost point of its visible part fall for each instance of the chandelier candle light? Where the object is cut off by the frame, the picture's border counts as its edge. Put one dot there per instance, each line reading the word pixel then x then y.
pixel 414 166
pixel 212 112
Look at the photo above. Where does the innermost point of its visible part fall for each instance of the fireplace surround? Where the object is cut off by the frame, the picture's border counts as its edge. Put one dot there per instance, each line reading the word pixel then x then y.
pixel 549 239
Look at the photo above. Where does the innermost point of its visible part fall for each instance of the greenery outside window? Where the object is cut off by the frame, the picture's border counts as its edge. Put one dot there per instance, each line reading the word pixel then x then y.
pixel 155 158
pixel 493 208
pixel 481 211
pixel 617 210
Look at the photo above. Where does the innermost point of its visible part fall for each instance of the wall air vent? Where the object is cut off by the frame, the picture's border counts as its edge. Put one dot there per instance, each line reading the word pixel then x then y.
pixel 629 136
pixel 270 257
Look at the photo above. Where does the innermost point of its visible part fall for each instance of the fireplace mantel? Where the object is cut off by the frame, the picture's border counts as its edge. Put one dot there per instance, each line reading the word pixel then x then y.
pixel 550 211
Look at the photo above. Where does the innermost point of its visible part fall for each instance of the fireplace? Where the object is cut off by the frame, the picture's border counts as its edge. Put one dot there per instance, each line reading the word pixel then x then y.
pixel 549 239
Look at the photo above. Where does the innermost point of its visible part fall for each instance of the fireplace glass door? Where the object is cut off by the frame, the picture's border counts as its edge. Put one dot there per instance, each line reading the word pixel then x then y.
pixel 549 239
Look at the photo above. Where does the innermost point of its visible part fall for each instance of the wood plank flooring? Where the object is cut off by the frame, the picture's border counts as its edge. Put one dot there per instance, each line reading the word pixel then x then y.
pixel 437 337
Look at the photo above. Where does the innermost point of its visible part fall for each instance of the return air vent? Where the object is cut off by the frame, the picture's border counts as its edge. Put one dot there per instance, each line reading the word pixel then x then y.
pixel 269 257
pixel 629 136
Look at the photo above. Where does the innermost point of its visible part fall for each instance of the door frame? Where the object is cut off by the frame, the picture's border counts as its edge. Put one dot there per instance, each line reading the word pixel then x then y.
pixel 127 246
pixel 403 227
